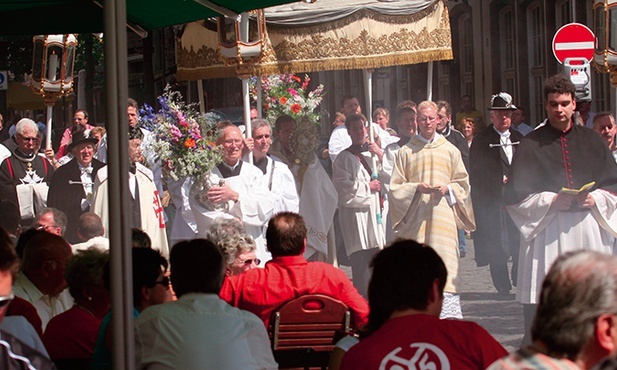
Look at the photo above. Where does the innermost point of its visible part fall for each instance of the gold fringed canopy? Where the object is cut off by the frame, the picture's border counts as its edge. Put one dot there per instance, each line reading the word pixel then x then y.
pixel 330 35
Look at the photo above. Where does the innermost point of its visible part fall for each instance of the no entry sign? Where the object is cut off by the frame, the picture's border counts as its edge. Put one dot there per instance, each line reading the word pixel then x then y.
pixel 574 40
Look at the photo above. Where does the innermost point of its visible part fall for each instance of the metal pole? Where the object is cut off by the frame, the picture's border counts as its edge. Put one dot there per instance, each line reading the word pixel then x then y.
pixel 200 94
pixel 50 111
pixel 429 82
pixel 244 37
pixel 119 234
pixel 368 91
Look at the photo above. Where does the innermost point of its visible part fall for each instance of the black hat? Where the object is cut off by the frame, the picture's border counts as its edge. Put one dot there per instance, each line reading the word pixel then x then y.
pixel 81 136
pixel 502 101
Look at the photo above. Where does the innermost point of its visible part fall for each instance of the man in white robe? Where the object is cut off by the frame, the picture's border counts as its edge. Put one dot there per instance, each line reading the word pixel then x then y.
pixel 146 207
pixel 406 123
pixel 358 202
pixel 276 175
pixel 430 198
pixel 236 190
pixel 552 221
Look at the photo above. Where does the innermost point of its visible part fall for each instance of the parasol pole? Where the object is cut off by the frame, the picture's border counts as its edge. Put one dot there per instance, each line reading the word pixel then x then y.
pixel 244 37
pixel 429 82
pixel 368 90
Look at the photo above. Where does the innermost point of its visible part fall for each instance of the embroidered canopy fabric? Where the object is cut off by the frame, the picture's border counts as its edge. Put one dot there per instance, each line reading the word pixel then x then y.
pixel 330 35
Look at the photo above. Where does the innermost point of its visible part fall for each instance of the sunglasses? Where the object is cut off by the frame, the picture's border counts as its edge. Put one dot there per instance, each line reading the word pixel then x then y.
pixel 250 262
pixel 6 299
pixel 164 282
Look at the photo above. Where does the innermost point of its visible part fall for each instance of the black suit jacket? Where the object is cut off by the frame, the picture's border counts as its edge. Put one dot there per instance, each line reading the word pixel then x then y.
pixel 67 197
pixel 488 166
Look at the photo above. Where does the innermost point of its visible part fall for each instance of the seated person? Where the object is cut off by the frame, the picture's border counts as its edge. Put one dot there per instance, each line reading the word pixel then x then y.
pixel 404 328
pixel 70 337
pixel 150 287
pixel 237 246
pixel 289 275
pixel 200 330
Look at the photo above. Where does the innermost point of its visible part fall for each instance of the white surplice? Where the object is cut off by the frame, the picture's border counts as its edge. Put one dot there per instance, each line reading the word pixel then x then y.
pixel 546 234
pixel 254 206
pixel 281 183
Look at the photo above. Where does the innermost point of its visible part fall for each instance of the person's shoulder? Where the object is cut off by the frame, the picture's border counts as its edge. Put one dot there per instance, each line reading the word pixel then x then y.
pixel 144 171
pixel 101 174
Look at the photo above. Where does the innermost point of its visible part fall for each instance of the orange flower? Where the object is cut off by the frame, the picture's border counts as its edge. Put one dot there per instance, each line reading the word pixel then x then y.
pixel 296 78
pixel 296 108
pixel 283 100
pixel 189 143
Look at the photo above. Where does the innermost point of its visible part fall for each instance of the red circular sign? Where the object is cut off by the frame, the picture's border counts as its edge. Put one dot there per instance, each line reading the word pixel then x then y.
pixel 574 40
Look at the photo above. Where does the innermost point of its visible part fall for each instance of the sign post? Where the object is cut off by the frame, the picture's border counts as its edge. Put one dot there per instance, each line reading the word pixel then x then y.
pixel 573 40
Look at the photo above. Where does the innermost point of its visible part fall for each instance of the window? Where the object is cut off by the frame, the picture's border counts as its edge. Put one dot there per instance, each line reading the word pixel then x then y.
pixel 466 54
pixel 537 55
pixel 507 52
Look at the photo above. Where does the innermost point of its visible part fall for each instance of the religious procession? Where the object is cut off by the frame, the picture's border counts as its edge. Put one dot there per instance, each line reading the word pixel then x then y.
pixel 320 218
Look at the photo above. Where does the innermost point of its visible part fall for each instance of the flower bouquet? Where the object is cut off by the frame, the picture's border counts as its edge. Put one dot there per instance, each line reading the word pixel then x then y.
pixel 287 94
pixel 184 139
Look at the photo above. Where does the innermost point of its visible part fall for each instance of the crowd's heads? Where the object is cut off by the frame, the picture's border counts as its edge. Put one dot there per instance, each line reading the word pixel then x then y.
pixel 197 266
pixel 80 117
pixel 51 220
pixel 381 116
pixel 27 136
pixel 239 254
pixel 135 137
pixel 45 258
pixel 444 114
pixel 262 136
pixel 350 105
pixel 284 127
pixel 604 124
pixel 354 118
pixel 84 276
pixel 90 226
pixel 406 275
pixel 150 286
pixel 230 138
pixel 286 234
pixel 339 119
pixel 577 305
pixel 406 121
pixel 518 116
pixel 140 239
pixel 407 104
pixel 466 103
pixel 132 111
pixel 559 84
pixel 427 119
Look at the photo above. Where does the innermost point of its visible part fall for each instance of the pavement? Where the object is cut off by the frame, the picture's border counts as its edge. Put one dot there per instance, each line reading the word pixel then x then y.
pixel 498 313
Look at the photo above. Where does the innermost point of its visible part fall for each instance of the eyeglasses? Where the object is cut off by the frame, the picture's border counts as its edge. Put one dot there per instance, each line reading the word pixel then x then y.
pixel 164 282
pixel 6 299
pixel 40 227
pixel 29 139
pixel 250 262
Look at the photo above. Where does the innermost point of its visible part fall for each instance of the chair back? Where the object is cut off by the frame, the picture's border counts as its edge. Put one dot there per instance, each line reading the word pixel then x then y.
pixel 304 329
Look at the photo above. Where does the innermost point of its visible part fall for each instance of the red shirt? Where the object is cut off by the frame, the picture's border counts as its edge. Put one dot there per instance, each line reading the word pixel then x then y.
pixel 71 334
pixel 21 307
pixel 424 341
pixel 261 291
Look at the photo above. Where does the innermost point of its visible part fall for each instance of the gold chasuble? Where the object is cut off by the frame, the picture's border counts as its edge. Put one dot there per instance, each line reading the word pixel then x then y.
pixel 432 219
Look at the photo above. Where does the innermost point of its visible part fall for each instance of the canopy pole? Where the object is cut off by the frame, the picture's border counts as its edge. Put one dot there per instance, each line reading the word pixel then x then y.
pixel 50 112
pixel 244 37
pixel 368 93
pixel 429 82
pixel 259 101
pixel 200 94
pixel 120 255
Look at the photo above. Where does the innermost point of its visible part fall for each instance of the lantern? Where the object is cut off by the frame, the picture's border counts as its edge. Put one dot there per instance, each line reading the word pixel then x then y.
pixel 605 28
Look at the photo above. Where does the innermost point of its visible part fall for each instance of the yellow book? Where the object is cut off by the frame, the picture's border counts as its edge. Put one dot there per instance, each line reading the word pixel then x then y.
pixel 583 188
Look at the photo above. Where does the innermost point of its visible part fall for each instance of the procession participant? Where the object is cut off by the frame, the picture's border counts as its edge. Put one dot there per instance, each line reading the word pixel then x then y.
pixel 430 198
pixel 518 124
pixel 24 176
pixel 552 221
pixel 496 238
pixel 237 191
pixel 71 186
pixel 467 109
pixel 276 175
pixel 406 123
pixel 80 121
pixel 146 208
pixel 358 209
pixel 281 146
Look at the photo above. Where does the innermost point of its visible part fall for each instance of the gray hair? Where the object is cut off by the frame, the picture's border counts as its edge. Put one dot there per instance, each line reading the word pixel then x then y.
pixel 579 287
pixel 85 269
pixel 232 246
pixel 59 217
pixel 26 122
pixel 223 228
pixel 259 123
pixel 596 118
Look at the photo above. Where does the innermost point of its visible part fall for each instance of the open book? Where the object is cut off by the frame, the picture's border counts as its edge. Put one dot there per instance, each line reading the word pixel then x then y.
pixel 583 188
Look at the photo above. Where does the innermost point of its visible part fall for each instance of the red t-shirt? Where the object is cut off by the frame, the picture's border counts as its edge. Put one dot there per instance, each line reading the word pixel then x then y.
pixel 71 334
pixel 425 342
pixel 261 291
pixel 21 307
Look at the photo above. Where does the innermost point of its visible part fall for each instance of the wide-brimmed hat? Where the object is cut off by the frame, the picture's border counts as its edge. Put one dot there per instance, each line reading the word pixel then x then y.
pixel 81 136
pixel 502 101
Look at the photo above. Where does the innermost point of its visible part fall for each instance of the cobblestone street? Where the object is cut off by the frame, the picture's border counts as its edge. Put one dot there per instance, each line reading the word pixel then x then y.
pixel 498 313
